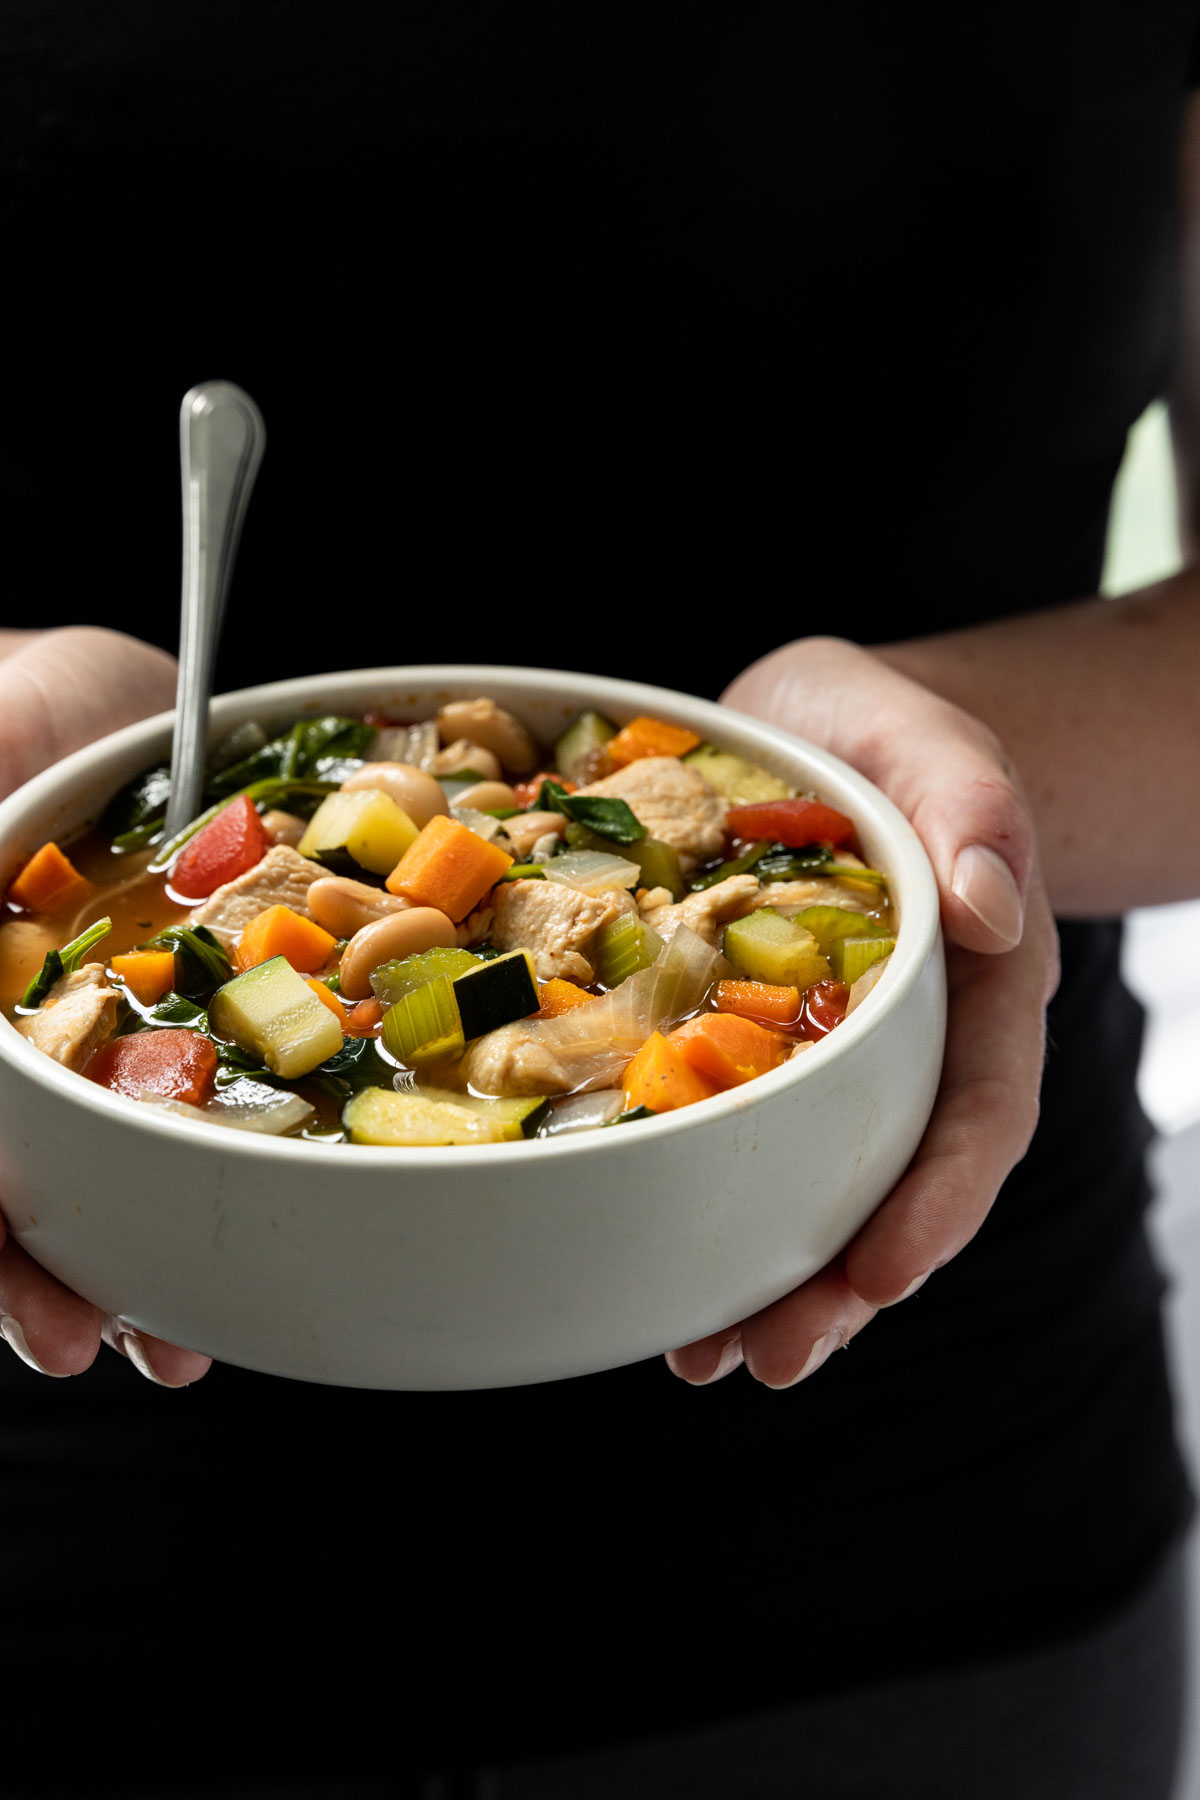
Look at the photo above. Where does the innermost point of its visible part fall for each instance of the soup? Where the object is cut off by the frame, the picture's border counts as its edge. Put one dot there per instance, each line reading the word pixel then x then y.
pixel 444 932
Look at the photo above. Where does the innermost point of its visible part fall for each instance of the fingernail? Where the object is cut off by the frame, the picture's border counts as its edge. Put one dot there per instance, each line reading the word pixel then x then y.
pixel 15 1338
pixel 135 1350
pixel 729 1358
pixel 821 1351
pixel 911 1289
pixel 986 885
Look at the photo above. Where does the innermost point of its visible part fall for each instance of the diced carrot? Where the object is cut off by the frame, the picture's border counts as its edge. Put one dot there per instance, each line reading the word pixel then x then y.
pixel 46 878
pixel 281 932
pixel 526 792
pixel 649 737
pixel 176 1064
pixel 559 996
pixel 365 1019
pixel 759 1000
pixel 148 974
pixel 448 867
pixel 331 1000
pixel 660 1077
pixel 727 1050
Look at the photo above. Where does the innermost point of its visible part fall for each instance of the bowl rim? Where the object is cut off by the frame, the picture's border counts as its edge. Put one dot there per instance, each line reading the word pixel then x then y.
pixel 909 869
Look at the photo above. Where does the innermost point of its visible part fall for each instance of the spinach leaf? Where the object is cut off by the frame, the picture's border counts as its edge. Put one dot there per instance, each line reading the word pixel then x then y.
pixel 310 749
pixel 356 1065
pixel 140 804
pixel 602 814
pixel 63 962
pixel 201 965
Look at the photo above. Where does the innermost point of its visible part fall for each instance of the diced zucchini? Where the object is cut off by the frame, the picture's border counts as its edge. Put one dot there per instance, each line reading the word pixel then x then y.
pixel 767 947
pixel 830 924
pixel 362 828
pixel 512 1119
pixel 624 946
pixel 742 783
pixel 414 1121
pixel 853 956
pixel 424 1024
pixel 273 1013
pixel 392 980
pixel 495 993
pixel 577 752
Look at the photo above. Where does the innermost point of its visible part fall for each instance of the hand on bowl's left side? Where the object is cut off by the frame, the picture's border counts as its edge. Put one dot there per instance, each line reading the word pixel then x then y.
pixel 949 775
pixel 59 690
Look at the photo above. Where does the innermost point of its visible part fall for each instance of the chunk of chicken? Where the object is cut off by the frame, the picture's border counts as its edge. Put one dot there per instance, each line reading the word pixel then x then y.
pixel 525 831
pixel 674 802
pixel 76 1016
pixel 704 912
pixel 821 890
pixel 282 878
pixel 554 922
pixel 515 1061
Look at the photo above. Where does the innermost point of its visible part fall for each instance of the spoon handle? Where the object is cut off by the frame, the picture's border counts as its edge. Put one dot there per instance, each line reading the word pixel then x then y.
pixel 221 440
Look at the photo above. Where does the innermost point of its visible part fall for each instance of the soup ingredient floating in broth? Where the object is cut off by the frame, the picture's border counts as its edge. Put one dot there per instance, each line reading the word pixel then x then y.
pixel 474 939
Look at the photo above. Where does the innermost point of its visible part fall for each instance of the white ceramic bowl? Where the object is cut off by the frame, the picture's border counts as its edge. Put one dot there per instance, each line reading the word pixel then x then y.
pixel 482 1266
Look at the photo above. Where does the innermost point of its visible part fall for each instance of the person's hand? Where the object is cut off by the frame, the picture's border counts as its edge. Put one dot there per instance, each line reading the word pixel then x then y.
pixel 950 776
pixel 60 690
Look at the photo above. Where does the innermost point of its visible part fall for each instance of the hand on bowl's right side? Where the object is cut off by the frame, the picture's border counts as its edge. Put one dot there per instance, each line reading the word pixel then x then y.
pixel 949 775
pixel 60 690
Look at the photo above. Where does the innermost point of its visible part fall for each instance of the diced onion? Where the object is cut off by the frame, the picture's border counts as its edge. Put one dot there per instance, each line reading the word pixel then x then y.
pixel 580 1112
pixel 244 1106
pixel 416 745
pixel 481 823
pixel 592 871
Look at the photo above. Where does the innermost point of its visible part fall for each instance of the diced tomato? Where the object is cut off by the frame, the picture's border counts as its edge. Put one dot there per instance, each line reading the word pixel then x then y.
pixel 227 846
pixel 824 1007
pixel 176 1064
pixel 364 1020
pixel 790 822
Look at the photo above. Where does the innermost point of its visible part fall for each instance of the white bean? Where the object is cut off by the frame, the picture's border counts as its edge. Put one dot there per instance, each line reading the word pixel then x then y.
pixel 403 934
pixel 343 906
pixel 414 792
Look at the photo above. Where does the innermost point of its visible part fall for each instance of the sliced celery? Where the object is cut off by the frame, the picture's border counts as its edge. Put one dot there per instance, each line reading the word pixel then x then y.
pixel 829 924
pixel 424 1024
pixel 768 947
pixel 624 946
pixel 392 980
pixel 853 956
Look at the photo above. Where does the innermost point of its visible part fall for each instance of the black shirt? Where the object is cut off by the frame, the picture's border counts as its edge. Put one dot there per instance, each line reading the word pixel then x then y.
pixel 640 341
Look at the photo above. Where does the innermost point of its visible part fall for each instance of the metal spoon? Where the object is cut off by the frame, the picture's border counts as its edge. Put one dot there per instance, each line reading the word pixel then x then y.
pixel 221 441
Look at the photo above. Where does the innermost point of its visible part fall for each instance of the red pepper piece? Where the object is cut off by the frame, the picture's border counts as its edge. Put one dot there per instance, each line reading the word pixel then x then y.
pixel 228 845
pixel 176 1064
pixel 790 822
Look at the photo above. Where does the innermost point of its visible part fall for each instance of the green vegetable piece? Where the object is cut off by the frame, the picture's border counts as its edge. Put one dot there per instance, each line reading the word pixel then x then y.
pixel 577 752
pixel 737 865
pixel 424 1024
pixel 58 963
pixel 782 864
pixel 624 946
pixel 512 1119
pixel 853 956
pixel 139 806
pixel 415 1121
pixel 200 961
pixel 603 814
pixel 497 992
pixel 829 924
pixel 358 828
pixel 627 1118
pixel 765 946
pixel 391 981
pixel 659 864
pixel 271 1012
pixel 524 872
pixel 740 782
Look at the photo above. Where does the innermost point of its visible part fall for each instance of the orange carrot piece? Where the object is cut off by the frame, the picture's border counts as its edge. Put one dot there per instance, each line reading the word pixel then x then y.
pixel 331 1000
pixel 760 1001
pixel 660 1077
pixel 46 877
pixel 728 1050
pixel 148 974
pixel 559 996
pixel 649 737
pixel 365 1019
pixel 448 867
pixel 281 932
